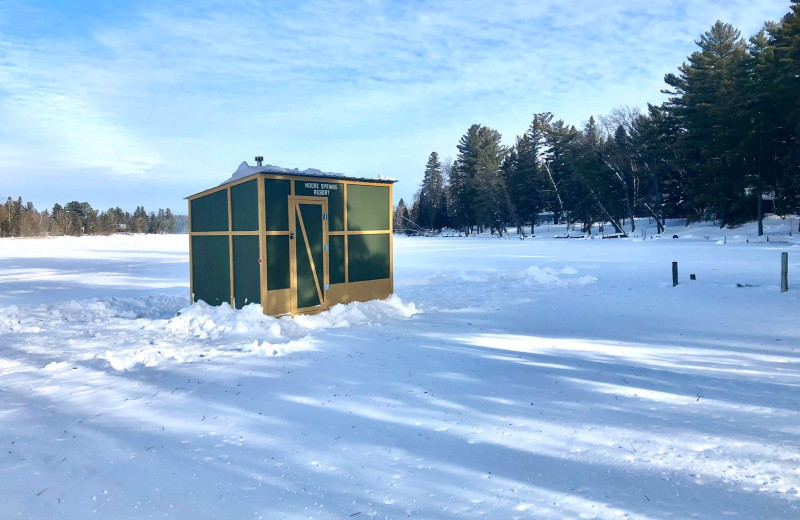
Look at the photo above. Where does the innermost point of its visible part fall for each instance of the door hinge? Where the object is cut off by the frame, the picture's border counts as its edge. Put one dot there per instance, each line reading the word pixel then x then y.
pixel 324 216
pixel 327 286
pixel 326 247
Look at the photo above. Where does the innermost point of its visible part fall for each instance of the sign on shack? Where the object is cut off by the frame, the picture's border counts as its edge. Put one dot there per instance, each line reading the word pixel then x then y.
pixel 293 241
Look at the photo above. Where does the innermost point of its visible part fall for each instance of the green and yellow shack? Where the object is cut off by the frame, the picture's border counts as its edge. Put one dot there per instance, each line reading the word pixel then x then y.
pixel 293 241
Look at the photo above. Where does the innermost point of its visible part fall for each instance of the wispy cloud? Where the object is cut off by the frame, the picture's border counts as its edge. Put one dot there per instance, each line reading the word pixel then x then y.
pixel 187 92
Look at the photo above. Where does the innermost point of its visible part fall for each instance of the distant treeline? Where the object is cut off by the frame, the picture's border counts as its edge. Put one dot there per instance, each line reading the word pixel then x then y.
pixel 725 146
pixel 19 219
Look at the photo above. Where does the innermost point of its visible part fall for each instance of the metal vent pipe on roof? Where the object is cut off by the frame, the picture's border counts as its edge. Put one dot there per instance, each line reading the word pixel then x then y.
pixel 259 160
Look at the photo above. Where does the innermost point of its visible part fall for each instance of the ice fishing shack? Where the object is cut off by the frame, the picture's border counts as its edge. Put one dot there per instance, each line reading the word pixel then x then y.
pixel 294 241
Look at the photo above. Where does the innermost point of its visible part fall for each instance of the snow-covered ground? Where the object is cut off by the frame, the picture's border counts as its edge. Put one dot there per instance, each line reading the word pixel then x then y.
pixel 507 379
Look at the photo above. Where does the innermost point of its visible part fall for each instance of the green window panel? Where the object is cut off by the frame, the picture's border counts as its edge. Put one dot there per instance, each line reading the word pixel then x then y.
pixel 211 275
pixel 210 213
pixel 276 200
pixel 246 272
pixel 333 191
pixel 336 259
pixel 368 257
pixel 277 262
pixel 367 208
pixel 244 206
pixel 309 238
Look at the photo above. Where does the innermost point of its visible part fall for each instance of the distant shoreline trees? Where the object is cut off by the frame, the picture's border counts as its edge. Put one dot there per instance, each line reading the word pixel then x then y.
pixel 723 147
pixel 19 219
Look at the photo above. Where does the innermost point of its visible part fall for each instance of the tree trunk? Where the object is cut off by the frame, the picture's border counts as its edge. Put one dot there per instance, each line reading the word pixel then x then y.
pixel 656 216
pixel 630 213
pixel 555 190
pixel 626 191
pixel 611 219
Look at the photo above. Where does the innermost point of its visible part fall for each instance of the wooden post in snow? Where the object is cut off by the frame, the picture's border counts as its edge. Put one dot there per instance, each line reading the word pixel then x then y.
pixel 784 272
pixel 674 274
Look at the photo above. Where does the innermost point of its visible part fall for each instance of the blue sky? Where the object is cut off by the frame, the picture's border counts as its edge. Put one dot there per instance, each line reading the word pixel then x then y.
pixel 126 103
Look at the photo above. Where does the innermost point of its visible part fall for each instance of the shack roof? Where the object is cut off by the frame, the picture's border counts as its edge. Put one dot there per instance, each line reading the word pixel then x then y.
pixel 245 170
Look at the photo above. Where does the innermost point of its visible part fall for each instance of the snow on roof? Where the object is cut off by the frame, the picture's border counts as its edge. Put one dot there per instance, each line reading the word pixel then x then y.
pixel 245 170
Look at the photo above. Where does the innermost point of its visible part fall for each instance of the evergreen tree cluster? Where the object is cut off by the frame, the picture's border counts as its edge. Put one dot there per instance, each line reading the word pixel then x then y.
pixel 724 146
pixel 18 219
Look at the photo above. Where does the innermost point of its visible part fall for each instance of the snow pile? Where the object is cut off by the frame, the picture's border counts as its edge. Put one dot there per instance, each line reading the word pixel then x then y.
pixel 555 277
pixel 124 333
pixel 20 319
pixel 12 320
pixel 203 321
pixel 539 276
pixel 202 331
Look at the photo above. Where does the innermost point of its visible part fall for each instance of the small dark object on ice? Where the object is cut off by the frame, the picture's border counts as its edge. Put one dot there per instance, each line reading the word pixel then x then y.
pixel 674 236
pixel 745 285
pixel 692 277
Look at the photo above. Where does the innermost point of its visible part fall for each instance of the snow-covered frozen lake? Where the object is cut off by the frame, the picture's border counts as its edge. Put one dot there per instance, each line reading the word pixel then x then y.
pixel 507 379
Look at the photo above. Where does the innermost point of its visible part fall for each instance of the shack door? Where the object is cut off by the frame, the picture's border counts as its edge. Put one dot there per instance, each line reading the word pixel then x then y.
pixel 308 227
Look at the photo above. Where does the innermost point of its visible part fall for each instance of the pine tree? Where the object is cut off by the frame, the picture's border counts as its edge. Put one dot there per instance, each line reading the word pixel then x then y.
pixel 6 217
pixel 430 195
pixel 398 219
pixel 754 128
pixel 702 100
pixel 411 225
pixel 139 220
pixel 441 220
pixel 458 195
pixel 561 189
pixel 478 190
pixel 603 200
pixel 785 37
pixel 617 155
pixel 524 178
pixel 170 221
pixel 659 161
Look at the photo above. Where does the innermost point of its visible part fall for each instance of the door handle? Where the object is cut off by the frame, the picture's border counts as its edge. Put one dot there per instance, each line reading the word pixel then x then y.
pixel 291 235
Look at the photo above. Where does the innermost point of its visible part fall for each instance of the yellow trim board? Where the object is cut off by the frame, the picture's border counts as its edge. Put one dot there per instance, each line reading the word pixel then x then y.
pixel 360 291
pixel 346 244
pixel 212 233
pixel 191 259
pixel 230 246
pixel 262 241
pixel 279 301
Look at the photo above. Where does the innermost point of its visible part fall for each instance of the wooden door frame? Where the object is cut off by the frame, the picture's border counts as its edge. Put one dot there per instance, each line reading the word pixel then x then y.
pixel 294 203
